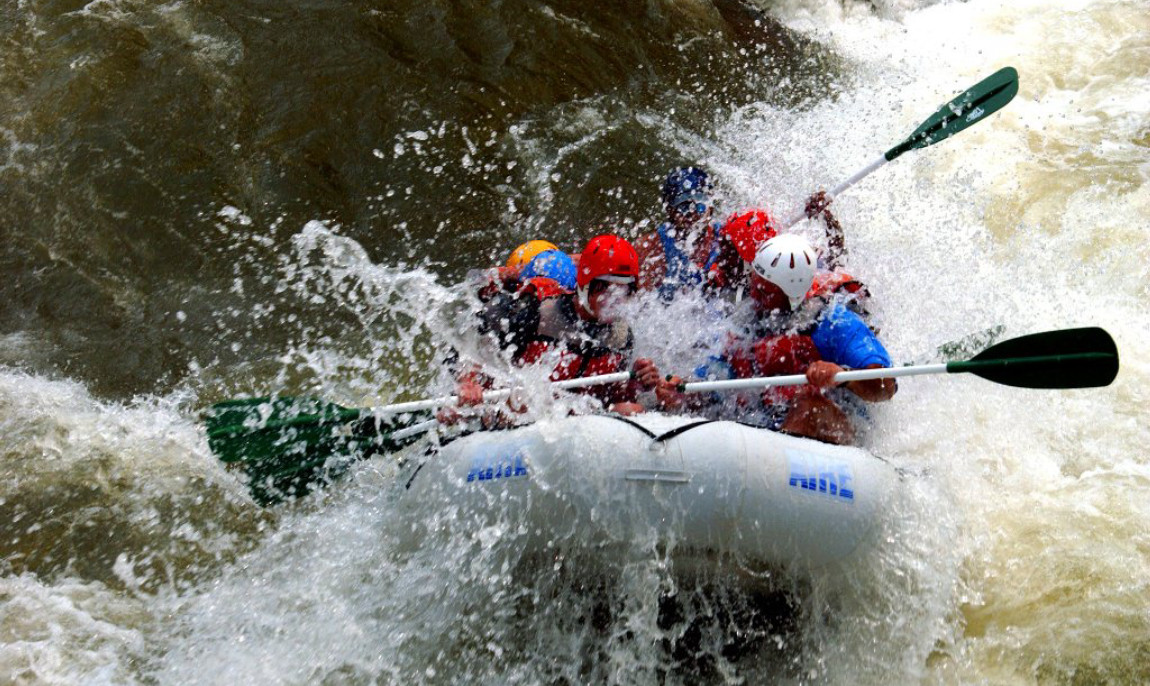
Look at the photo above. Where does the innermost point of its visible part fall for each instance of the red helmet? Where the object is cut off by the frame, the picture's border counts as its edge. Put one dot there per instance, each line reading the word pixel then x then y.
pixel 748 230
pixel 609 258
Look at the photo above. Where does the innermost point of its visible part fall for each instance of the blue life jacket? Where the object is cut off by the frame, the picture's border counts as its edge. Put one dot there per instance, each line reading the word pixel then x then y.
pixel 842 337
pixel 681 271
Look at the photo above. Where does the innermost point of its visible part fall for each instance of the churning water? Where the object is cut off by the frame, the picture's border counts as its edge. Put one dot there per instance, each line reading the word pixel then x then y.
pixel 205 200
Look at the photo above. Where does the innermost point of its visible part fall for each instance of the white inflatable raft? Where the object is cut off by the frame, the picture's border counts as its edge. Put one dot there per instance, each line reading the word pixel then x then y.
pixel 702 488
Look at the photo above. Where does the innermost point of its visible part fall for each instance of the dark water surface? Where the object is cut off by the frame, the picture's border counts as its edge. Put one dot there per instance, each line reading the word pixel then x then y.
pixel 437 133
pixel 206 199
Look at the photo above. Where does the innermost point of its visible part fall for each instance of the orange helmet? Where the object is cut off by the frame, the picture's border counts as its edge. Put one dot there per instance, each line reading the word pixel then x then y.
pixel 526 252
pixel 609 258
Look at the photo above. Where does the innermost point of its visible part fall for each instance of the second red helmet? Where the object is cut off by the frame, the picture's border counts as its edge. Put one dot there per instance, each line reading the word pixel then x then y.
pixel 609 258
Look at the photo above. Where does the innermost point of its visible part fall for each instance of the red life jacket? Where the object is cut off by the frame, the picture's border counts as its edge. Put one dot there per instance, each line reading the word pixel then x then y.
pixel 774 356
pixel 827 284
pixel 852 292
pixel 542 288
pixel 538 289
pixel 579 361
pixel 572 365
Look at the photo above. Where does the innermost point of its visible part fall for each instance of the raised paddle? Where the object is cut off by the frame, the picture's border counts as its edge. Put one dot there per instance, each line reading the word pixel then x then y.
pixel 289 445
pixel 967 109
pixel 1069 358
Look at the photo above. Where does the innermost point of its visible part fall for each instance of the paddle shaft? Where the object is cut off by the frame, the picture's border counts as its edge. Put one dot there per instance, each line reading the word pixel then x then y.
pixel 494 396
pixel 415 430
pixel 837 190
pixel 973 366
pixel 696 387
pixel 800 379
pixel 971 106
pixel 763 382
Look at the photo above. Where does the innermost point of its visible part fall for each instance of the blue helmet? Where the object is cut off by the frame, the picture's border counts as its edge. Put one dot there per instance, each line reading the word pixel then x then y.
pixel 552 264
pixel 686 184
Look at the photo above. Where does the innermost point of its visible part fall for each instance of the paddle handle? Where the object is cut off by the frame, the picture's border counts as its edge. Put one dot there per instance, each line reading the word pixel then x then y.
pixel 496 395
pixel 837 190
pixel 800 379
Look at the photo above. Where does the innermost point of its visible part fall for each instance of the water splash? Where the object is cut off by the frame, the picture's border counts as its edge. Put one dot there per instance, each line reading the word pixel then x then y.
pixel 1015 553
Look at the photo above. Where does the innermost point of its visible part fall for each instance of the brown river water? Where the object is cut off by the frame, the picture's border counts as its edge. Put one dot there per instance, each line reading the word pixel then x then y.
pixel 203 200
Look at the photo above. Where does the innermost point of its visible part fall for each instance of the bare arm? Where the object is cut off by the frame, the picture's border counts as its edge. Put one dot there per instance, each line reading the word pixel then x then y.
pixel 836 242
pixel 874 390
pixel 821 373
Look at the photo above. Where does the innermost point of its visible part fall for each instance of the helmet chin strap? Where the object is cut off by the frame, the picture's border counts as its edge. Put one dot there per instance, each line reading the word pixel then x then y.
pixel 581 292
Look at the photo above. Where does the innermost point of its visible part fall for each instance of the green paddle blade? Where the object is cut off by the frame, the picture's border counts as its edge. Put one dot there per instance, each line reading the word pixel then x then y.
pixel 970 107
pixel 288 446
pixel 237 427
pixel 1070 358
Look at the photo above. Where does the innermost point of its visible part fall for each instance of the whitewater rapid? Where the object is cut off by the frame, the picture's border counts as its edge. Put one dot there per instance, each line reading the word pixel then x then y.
pixel 1017 554
pixel 1035 222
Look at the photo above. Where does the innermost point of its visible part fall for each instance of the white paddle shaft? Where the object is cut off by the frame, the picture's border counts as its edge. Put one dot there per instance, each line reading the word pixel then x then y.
pixel 800 379
pixel 500 394
pixel 863 173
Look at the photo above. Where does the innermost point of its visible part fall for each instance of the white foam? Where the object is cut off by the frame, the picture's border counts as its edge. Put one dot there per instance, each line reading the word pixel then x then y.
pixel 1031 220
pixel 69 632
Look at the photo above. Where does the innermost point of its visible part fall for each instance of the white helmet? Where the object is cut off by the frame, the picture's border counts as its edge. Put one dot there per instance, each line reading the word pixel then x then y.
pixel 789 262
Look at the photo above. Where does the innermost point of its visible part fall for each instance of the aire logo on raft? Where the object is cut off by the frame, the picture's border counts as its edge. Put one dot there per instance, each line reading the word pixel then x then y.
pixel 486 467
pixel 818 475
